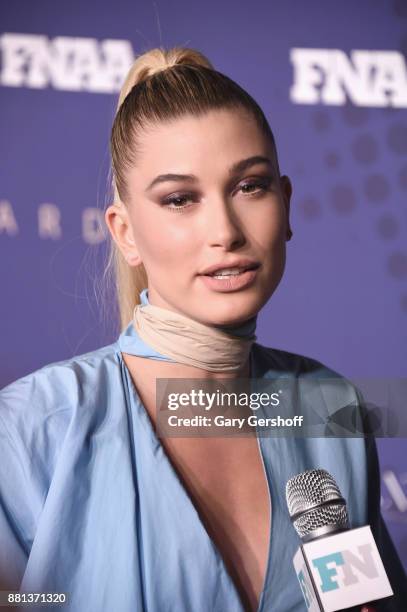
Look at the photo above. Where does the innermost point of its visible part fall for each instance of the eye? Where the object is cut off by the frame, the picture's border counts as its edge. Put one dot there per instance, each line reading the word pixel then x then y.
pixel 256 186
pixel 178 201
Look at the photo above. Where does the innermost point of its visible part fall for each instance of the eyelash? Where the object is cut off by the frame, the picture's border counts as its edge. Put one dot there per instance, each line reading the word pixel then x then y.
pixel 264 184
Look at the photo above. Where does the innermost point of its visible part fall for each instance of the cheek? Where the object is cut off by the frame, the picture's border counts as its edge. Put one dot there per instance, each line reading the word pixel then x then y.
pixel 164 241
pixel 267 228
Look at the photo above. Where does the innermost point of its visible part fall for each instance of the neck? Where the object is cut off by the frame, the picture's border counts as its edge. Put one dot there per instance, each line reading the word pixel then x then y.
pixel 189 349
pixel 180 370
pixel 154 369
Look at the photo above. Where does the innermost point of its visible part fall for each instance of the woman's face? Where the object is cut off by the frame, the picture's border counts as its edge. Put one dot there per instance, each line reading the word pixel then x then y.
pixel 205 192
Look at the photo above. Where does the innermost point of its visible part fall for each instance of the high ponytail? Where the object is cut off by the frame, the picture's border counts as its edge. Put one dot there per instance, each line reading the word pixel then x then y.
pixel 162 85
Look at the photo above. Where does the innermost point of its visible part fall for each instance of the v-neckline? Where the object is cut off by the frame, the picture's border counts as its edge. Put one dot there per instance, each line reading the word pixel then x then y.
pixel 169 466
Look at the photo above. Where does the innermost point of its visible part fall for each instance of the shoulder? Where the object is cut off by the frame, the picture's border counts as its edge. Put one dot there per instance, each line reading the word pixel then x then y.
pixel 63 372
pixel 290 364
pixel 319 388
pixel 42 402
pixel 36 412
pixel 39 413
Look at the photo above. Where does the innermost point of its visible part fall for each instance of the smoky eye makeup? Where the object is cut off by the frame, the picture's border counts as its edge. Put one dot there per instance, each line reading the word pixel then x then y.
pixel 258 183
pixel 250 187
pixel 179 198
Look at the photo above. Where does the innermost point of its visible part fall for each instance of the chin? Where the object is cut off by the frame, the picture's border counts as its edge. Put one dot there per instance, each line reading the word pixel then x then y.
pixel 232 314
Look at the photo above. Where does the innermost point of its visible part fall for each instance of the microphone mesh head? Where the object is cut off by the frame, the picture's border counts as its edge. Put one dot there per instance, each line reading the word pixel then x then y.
pixel 318 490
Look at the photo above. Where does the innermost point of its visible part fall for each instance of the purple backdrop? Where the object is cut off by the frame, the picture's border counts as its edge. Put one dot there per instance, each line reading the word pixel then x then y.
pixel 339 117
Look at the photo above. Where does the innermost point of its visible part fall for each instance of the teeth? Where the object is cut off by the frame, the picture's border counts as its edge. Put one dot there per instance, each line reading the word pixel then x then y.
pixel 228 272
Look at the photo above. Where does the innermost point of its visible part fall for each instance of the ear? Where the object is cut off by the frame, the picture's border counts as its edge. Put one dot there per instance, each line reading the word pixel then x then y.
pixel 287 190
pixel 118 223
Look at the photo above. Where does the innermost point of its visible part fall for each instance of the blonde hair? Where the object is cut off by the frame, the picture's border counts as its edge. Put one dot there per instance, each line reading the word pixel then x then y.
pixel 162 85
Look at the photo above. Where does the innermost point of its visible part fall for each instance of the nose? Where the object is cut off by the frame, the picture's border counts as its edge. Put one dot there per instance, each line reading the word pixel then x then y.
pixel 224 229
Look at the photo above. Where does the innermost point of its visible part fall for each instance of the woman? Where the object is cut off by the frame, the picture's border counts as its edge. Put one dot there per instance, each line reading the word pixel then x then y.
pixel 92 502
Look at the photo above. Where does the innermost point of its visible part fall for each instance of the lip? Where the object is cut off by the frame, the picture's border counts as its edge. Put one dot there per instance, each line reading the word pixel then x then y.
pixel 238 263
pixel 233 283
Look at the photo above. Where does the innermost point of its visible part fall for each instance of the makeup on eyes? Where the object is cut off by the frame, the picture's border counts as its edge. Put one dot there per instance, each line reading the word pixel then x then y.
pixel 260 185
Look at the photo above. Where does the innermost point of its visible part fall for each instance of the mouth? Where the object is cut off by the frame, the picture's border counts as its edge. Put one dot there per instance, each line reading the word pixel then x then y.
pixel 227 273
pixel 231 279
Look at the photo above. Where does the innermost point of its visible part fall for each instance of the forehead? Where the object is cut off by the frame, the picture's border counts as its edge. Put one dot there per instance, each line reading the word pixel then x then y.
pixel 205 144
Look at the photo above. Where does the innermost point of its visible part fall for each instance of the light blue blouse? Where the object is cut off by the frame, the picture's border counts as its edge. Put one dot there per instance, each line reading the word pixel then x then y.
pixel 90 504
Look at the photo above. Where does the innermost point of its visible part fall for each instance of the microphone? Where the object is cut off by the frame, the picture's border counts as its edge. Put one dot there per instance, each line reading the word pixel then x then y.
pixel 337 567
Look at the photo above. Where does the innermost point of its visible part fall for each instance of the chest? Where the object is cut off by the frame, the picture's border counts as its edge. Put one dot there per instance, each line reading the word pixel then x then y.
pixel 225 480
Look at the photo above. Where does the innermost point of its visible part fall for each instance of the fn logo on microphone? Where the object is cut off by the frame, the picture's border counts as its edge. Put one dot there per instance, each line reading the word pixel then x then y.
pixel 327 567
pixel 341 571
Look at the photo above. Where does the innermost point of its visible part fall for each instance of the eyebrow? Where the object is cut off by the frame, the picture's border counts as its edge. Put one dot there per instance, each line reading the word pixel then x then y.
pixel 237 168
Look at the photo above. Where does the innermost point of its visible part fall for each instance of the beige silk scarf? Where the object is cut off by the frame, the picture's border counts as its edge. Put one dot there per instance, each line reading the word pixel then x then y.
pixel 190 342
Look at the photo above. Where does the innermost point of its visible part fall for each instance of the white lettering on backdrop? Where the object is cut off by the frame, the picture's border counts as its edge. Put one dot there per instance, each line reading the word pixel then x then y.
pixel 321 76
pixel 366 78
pixel 49 221
pixel 8 223
pixel 50 226
pixel 66 63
